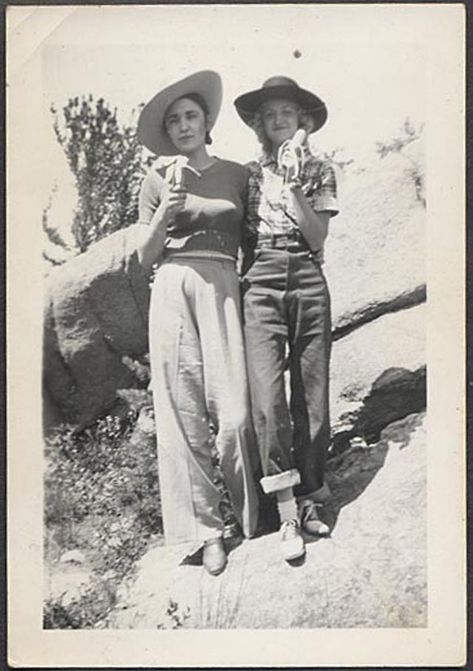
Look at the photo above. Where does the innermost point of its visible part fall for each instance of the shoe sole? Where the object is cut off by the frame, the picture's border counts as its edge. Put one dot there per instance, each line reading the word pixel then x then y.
pixel 316 533
pixel 294 556
pixel 215 573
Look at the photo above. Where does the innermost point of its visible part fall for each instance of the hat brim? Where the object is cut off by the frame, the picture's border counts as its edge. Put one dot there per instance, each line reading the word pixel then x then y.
pixel 151 131
pixel 249 103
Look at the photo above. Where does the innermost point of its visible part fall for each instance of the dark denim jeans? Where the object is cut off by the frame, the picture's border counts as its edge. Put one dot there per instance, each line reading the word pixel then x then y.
pixel 287 306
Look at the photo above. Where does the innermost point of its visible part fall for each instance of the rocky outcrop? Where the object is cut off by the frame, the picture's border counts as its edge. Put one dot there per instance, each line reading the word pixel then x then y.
pixel 378 375
pixel 375 253
pixel 368 312
pixel 95 314
pixel 371 571
pixel 97 303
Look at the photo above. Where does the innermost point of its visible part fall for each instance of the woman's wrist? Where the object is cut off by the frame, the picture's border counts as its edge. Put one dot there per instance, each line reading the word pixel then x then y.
pixel 295 184
pixel 160 219
pixel 295 189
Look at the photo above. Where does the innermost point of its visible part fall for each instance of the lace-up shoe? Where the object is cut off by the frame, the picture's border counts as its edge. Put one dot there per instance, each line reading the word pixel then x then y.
pixel 310 520
pixel 292 543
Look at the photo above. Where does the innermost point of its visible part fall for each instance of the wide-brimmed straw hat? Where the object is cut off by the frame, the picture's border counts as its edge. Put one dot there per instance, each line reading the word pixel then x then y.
pixel 281 87
pixel 151 131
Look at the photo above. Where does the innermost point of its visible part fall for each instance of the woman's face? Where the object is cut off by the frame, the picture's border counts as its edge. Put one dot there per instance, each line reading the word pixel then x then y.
pixel 280 120
pixel 186 125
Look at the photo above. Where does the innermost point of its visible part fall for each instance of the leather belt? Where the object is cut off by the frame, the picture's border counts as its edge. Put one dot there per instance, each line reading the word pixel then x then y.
pixel 291 241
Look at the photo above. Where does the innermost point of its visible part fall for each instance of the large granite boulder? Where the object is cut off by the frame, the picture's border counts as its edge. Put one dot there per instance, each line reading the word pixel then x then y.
pixel 96 312
pixel 375 254
pixel 371 571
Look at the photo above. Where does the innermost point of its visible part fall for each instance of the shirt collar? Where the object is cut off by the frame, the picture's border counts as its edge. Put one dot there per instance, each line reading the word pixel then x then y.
pixel 267 159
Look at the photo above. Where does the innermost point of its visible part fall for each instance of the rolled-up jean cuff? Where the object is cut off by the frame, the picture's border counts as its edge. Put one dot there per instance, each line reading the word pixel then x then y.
pixel 320 495
pixel 275 483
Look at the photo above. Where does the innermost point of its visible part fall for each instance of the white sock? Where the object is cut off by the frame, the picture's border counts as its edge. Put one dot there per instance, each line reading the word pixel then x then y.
pixel 287 506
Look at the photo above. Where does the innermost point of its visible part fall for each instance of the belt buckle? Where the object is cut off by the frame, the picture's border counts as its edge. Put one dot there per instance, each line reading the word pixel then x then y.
pixel 281 240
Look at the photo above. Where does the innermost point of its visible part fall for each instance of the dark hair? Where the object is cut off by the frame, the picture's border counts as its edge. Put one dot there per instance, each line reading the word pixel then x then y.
pixel 201 102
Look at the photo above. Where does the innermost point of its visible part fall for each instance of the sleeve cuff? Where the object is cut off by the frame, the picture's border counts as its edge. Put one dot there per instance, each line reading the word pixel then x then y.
pixel 326 203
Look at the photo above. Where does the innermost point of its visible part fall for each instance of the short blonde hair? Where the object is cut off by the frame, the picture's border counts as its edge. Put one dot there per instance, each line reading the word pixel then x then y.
pixel 305 121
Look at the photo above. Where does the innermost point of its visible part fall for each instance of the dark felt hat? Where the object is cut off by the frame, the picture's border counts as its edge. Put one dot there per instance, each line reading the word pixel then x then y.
pixel 281 87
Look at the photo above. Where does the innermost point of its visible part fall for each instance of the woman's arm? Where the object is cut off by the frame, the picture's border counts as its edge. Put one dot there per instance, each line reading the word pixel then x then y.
pixel 151 244
pixel 248 233
pixel 313 225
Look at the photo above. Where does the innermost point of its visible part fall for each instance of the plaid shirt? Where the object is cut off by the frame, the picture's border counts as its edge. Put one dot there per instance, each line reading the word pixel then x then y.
pixel 269 210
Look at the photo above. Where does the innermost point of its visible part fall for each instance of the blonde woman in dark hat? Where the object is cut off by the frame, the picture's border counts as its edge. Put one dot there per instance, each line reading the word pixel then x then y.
pixel 193 203
pixel 291 198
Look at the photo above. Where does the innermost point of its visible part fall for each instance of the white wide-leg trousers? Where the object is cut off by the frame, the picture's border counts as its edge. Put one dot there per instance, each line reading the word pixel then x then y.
pixel 199 379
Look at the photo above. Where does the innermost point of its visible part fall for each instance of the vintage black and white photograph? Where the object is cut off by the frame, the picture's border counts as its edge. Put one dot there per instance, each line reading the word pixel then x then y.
pixel 224 223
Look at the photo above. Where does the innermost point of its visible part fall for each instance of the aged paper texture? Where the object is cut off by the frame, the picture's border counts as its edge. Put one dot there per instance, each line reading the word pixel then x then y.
pixel 364 57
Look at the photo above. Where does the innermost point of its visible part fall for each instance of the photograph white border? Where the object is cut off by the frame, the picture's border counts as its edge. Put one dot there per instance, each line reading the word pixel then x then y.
pixel 441 29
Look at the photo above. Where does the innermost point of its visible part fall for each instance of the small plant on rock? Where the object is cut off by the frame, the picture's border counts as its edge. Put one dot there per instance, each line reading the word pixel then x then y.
pixel 338 158
pixel 407 134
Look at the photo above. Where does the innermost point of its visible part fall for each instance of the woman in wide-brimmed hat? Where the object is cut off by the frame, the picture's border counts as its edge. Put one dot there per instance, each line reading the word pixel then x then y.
pixel 193 204
pixel 291 197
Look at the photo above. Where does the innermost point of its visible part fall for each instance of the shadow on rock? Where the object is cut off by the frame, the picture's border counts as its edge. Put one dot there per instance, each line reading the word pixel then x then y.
pixel 359 451
pixel 296 563
pixel 396 393
pixel 195 558
pixel 350 473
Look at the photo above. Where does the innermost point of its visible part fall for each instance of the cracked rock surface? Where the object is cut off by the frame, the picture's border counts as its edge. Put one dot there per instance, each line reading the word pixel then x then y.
pixel 371 571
